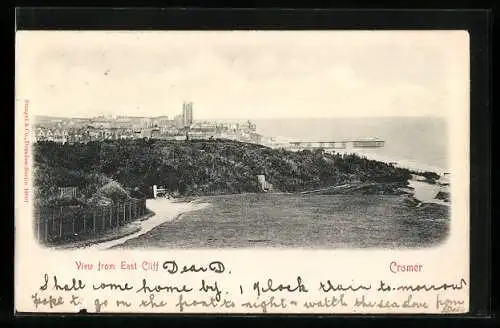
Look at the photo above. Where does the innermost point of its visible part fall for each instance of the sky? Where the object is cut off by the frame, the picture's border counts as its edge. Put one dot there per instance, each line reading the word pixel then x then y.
pixel 242 74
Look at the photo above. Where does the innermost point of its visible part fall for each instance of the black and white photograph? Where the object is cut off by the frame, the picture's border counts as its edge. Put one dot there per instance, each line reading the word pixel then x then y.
pixel 242 171
pixel 228 140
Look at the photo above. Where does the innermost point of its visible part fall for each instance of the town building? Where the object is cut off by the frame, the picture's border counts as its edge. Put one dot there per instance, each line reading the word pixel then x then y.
pixel 182 126
pixel 187 114
pixel 178 121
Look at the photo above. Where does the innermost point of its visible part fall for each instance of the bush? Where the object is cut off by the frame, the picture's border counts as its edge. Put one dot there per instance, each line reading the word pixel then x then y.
pixel 60 201
pixel 444 196
pixel 98 200
pixel 198 167
pixel 114 191
pixel 430 177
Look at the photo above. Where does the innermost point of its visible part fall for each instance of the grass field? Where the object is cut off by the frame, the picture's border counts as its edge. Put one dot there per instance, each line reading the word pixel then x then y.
pixel 301 221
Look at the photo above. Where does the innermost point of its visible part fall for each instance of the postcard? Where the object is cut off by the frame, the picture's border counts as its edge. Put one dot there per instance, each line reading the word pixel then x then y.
pixel 242 172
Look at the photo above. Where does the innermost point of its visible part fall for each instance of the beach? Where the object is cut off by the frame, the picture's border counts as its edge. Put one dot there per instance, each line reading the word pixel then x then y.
pixel 423 191
pixel 426 192
pixel 397 162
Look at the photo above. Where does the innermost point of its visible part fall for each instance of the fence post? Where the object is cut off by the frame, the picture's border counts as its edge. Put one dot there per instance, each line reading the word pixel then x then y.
pixel 124 213
pixel 46 230
pixel 85 224
pixel 127 216
pixel 129 211
pixel 93 222
pixel 73 225
pixel 38 228
pixel 60 226
pixel 103 219
pixel 54 220
pixel 110 215
pixel 53 215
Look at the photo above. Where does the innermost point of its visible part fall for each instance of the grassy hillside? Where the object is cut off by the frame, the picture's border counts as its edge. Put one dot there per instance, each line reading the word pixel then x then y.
pixel 199 167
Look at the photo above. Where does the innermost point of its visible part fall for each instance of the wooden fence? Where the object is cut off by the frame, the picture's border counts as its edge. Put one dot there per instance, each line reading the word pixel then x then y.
pixel 67 192
pixel 66 223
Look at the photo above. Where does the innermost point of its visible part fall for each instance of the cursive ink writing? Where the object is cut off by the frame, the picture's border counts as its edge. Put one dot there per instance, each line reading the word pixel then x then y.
pixel 448 305
pixel 384 287
pixel 74 286
pixel 363 302
pixel 158 288
pixel 98 305
pixel 271 287
pixel 112 286
pixel 151 302
pixel 382 303
pixel 409 303
pixel 123 303
pixel 46 282
pixel 51 301
pixel 214 266
pixel 75 300
pixel 213 303
pixel 264 305
pixel 329 287
pixel 209 288
pixel 326 303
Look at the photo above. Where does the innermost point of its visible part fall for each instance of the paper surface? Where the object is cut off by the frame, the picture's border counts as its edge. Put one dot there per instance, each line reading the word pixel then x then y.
pixel 294 227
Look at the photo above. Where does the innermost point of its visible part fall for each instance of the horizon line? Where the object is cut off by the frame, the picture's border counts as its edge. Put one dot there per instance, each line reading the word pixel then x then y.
pixel 255 118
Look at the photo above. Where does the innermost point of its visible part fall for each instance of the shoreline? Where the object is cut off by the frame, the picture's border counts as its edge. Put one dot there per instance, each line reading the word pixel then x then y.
pixel 421 190
pixel 399 163
pixel 425 192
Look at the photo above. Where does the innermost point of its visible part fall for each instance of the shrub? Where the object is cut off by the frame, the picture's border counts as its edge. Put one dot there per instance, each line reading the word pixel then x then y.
pixel 198 167
pixel 114 191
pixel 99 200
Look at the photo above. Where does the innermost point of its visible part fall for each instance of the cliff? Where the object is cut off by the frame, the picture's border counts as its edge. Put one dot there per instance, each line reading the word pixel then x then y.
pixel 201 167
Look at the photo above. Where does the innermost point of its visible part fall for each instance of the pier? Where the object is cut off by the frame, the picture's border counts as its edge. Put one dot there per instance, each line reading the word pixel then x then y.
pixel 331 145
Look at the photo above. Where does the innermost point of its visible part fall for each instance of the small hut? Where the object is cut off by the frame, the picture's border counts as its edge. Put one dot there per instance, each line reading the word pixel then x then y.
pixel 265 186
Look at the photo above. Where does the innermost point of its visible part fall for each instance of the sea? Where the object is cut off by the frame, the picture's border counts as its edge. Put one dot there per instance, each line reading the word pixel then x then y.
pixel 278 220
pixel 419 143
